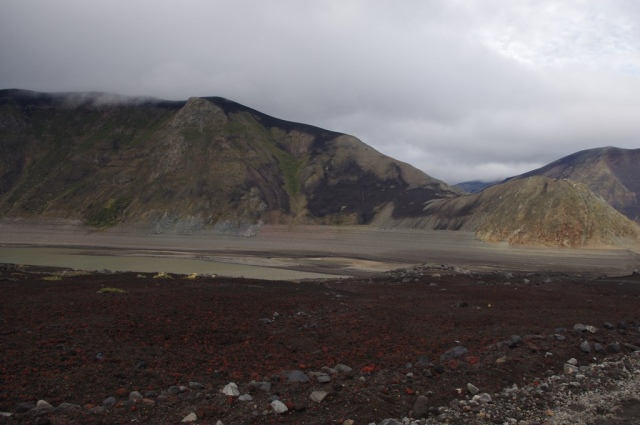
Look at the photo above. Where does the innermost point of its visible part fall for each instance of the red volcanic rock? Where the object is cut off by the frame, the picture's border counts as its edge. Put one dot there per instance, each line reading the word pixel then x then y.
pixel 163 335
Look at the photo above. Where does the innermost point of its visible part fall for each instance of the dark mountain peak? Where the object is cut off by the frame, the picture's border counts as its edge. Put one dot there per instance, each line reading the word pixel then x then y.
pixel 611 172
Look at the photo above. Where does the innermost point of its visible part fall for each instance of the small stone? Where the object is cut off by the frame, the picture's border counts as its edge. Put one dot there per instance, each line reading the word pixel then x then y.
pixel 421 407
pixel 343 368
pixel 298 376
pixel 323 378
pixel 482 398
pixel 24 407
pixel 196 386
pixel 43 405
pixel 424 361
pixel 608 325
pixel 318 396
pixel 98 410
pixel 191 417
pixel 262 386
pixel 109 401
pixel 570 369
pixel 278 406
pixel 579 327
pixel 592 329
pixel 245 397
pixel 614 347
pixel 585 347
pixel 514 341
pixel 572 361
pixel 135 395
pixel 599 348
pixel 174 390
pixel 348 422
pixel 454 353
pixel 231 389
pixel 473 390
pixel 632 347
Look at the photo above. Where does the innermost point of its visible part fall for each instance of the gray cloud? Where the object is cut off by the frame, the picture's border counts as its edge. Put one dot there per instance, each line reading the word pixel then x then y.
pixel 461 90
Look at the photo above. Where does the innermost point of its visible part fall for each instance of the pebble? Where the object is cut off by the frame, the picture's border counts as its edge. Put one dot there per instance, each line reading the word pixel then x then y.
pixel 473 390
pixel 614 347
pixel 514 341
pixel 482 398
pixel 421 407
pixel 43 405
pixel 343 368
pixel 262 386
pixel 196 386
pixel 174 390
pixel 298 376
pixel 135 395
pixel 109 401
pixel 318 396
pixel 454 353
pixel 231 389
pixel 278 406
pixel 191 417
pixel 245 397
pixel 323 378
pixel 585 347
pixel 24 407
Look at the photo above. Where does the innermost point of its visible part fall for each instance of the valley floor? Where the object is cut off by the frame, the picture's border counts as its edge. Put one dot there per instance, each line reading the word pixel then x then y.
pixel 410 341
pixel 333 250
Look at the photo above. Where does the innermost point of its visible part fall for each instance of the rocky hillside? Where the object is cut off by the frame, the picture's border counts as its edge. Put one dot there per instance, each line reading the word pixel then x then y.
pixel 185 165
pixel 533 211
pixel 610 172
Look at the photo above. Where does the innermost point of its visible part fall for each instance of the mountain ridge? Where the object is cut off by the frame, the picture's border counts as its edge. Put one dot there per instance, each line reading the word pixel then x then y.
pixel 109 159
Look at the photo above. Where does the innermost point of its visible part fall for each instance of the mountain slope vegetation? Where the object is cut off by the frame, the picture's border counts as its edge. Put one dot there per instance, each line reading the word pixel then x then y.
pixel 108 159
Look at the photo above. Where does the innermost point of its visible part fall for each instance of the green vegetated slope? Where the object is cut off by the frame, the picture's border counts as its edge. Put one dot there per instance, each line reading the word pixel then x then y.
pixel 190 164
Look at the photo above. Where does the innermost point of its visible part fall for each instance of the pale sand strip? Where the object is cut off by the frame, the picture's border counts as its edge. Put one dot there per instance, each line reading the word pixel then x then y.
pixel 328 249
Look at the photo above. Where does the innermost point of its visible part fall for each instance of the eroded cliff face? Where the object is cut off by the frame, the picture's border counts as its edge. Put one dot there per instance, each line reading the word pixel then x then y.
pixel 193 164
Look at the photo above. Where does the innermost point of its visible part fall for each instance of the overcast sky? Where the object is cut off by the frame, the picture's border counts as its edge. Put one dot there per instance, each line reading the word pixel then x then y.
pixel 463 90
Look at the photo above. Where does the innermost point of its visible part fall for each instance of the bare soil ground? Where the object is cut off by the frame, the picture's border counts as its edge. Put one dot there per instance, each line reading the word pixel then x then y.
pixel 63 342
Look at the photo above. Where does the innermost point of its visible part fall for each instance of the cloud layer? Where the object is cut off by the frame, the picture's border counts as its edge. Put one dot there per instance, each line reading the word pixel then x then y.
pixel 462 90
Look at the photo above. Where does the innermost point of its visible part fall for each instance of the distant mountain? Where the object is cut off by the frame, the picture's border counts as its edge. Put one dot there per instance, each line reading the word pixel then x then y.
pixel 532 211
pixel 612 173
pixel 475 186
pixel 184 165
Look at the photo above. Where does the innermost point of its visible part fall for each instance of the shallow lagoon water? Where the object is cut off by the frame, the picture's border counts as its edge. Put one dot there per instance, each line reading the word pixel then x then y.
pixel 97 259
